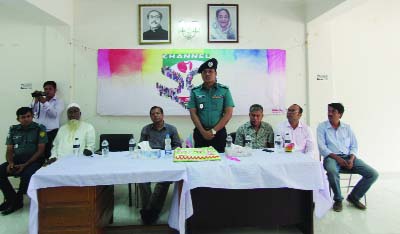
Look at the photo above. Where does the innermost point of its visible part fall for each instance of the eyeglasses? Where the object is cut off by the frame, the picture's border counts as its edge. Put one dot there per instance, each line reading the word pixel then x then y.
pixel 292 111
pixel 155 17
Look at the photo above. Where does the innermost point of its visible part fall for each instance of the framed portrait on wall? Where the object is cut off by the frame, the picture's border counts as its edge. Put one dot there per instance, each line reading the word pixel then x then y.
pixel 154 24
pixel 223 22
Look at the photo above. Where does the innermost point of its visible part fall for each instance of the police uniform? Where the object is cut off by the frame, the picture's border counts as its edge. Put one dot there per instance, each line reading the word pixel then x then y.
pixel 25 143
pixel 210 105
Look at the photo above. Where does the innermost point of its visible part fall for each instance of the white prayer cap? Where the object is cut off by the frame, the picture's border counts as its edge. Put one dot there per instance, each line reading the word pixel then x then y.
pixel 73 105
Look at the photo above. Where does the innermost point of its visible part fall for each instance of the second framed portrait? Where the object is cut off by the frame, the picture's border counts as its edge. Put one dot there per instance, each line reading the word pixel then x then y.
pixel 155 24
pixel 223 22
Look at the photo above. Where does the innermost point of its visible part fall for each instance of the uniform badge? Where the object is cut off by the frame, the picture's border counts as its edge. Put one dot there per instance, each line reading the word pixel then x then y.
pixel 201 106
pixel 16 146
pixel 210 64
pixel 42 134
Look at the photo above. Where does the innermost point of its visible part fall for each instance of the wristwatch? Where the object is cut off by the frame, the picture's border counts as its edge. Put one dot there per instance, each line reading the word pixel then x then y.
pixel 213 131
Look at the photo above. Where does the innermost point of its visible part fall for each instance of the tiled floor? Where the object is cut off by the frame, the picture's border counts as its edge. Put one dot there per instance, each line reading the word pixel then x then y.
pixel 381 217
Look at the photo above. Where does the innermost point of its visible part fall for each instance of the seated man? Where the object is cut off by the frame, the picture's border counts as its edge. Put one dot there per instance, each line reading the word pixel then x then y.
pixel 338 145
pixel 299 132
pixel 25 154
pixel 74 128
pixel 152 203
pixel 261 133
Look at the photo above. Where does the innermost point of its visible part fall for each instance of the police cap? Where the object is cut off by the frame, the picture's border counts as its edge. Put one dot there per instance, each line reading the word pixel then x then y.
pixel 211 63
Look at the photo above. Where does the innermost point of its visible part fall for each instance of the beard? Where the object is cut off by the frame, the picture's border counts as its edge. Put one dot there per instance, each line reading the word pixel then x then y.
pixel 73 126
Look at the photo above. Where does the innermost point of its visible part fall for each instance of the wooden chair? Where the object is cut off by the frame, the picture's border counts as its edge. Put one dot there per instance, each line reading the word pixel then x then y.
pixel 120 142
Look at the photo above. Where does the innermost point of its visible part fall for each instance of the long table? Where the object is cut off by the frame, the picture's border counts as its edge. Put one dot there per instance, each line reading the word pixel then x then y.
pixel 261 170
pixel 117 168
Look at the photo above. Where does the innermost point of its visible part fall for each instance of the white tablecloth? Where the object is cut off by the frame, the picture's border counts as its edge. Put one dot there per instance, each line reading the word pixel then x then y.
pixel 117 168
pixel 261 170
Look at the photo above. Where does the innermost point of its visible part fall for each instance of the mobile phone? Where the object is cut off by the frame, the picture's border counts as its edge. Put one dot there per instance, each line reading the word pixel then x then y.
pixel 268 150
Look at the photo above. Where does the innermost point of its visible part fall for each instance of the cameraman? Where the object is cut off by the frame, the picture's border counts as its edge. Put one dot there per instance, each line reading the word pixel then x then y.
pixel 47 109
pixel 25 146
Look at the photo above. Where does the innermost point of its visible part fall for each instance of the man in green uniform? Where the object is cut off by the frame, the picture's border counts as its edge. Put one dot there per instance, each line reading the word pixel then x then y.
pixel 211 108
pixel 25 147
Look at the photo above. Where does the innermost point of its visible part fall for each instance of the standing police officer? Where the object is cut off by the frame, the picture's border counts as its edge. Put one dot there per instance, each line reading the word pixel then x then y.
pixel 211 108
pixel 25 147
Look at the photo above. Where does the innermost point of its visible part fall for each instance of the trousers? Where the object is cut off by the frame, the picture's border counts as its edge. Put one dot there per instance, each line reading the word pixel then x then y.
pixel 9 193
pixel 218 142
pixel 333 169
pixel 153 200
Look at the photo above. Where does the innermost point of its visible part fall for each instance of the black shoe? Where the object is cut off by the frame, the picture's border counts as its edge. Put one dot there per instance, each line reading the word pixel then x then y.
pixel 337 206
pixel 12 208
pixel 356 202
pixel 4 206
pixel 149 217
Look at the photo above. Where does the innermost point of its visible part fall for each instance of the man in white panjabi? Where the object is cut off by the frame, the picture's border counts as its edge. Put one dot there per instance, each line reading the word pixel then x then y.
pixel 74 128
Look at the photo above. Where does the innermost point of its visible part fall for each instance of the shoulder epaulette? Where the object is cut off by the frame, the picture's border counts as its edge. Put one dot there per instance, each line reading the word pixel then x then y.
pixel 34 125
pixel 223 86
pixel 12 127
pixel 41 126
pixel 197 87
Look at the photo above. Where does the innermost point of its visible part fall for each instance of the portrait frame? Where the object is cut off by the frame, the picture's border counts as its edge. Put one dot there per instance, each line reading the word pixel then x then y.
pixel 162 35
pixel 216 33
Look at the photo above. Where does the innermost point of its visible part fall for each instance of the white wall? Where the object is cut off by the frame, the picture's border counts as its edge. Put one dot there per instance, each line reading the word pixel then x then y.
pixel 113 24
pixel 315 8
pixel 30 52
pixel 360 50
pixel 48 52
pixel 60 9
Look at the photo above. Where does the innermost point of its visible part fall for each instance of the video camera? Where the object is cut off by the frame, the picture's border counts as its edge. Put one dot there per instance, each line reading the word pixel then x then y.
pixel 38 94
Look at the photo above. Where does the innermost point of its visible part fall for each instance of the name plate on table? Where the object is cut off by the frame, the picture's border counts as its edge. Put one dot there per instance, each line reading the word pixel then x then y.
pixel 196 154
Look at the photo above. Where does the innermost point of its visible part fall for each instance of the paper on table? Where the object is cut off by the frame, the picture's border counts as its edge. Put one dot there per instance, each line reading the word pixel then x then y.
pixel 237 151
pixel 144 145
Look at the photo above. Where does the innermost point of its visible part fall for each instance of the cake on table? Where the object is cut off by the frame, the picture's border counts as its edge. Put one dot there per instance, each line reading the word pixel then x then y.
pixel 196 154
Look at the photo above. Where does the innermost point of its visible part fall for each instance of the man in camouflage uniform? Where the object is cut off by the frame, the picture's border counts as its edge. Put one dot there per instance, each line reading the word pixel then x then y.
pixel 211 108
pixel 25 147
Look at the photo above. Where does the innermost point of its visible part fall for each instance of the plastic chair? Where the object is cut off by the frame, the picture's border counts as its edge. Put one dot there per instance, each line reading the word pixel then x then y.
pixel 120 142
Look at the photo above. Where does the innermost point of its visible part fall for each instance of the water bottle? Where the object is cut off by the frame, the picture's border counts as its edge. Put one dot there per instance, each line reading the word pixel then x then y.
pixel 247 141
pixel 288 139
pixel 229 141
pixel 104 148
pixel 168 148
pixel 132 145
pixel 278 143
pixel 76 147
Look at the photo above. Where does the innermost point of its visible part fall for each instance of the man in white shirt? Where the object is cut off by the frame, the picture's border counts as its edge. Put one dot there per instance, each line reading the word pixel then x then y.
pixel 74 128
pixel 338 145
pixel 47 111
pixel 299 132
